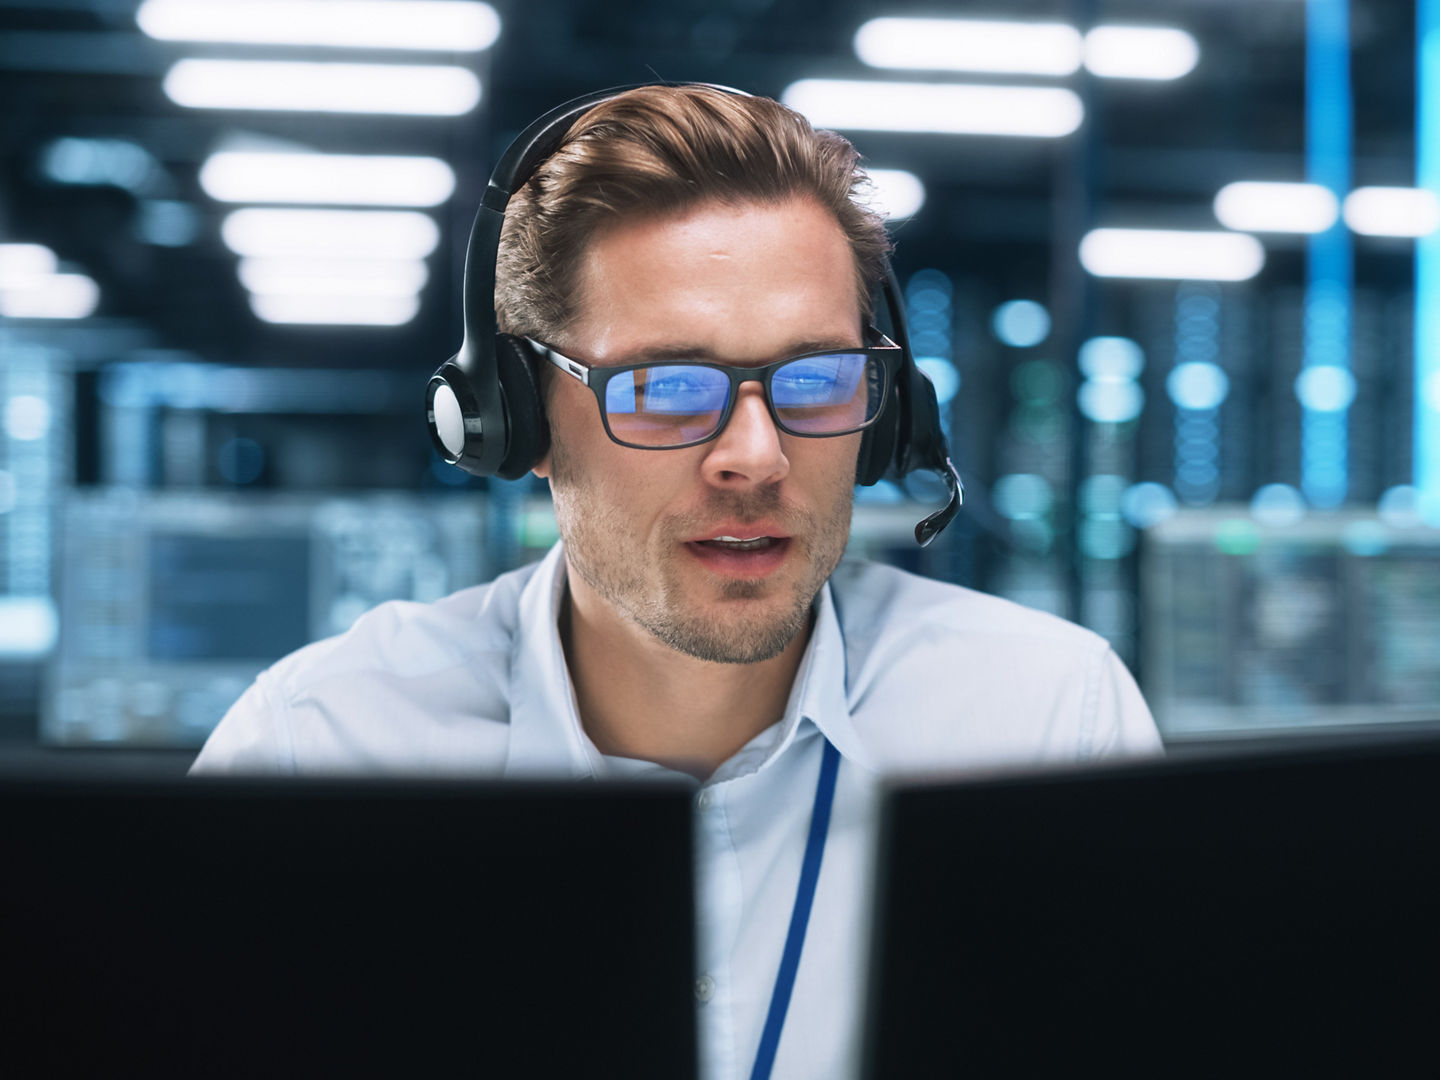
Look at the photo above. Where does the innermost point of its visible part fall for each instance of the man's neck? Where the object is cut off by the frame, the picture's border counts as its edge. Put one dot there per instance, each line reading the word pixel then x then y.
pixel 640 698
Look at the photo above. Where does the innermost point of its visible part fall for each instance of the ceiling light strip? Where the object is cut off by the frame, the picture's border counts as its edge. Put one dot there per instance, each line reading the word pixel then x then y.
pixel 1013 47
pixel 455 26
pixel 1037 111
pixel 1171 254
pixel 271 85
pixel 335 234
pixel 333 179
pixel 986 45
pixel 1263 206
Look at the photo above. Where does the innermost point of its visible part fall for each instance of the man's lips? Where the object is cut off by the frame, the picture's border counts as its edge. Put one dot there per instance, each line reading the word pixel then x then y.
pixel 741 551
pixel 734 530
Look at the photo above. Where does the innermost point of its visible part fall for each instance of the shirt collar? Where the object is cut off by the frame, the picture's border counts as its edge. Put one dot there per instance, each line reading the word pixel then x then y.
pixel 546 737
pixel 545 733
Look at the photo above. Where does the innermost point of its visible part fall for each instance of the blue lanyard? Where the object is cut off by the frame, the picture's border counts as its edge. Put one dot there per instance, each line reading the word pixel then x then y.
pixel 800 917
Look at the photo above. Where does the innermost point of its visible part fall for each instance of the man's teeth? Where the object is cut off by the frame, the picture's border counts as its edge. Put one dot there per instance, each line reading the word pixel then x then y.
pixel 735 543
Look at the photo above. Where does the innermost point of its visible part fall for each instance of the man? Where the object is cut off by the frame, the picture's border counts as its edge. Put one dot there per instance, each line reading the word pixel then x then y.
pixel 696 617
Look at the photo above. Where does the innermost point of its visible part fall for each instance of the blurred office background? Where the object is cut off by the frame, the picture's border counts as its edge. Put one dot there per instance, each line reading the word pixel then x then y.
pixel 1173 267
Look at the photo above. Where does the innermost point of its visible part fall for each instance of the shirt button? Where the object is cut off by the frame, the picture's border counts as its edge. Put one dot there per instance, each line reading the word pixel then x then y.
pixel 704 988
pixel 705 800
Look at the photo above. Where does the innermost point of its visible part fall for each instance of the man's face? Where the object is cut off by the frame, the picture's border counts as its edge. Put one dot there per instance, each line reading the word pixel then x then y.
pixel 742 285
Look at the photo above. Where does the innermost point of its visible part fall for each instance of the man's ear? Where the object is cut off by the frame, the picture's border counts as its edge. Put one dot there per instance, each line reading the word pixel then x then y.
pixel 541 468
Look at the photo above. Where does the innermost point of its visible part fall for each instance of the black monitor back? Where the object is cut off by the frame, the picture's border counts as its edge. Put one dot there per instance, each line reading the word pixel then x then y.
pixel 1273 915
pixel 329 928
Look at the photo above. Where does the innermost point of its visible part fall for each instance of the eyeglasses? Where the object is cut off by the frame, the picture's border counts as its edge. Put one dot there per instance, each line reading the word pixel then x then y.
pixel 668 405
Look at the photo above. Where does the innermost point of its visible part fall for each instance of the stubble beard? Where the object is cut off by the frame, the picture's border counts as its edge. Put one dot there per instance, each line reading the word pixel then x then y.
pixel 655 598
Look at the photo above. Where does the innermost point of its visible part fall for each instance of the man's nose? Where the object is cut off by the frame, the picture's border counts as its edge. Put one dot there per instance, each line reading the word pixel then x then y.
pixel 748 452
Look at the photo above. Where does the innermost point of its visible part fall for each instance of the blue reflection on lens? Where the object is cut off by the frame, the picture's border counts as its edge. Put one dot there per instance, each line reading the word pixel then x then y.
pixel 668 388
pixel 818 380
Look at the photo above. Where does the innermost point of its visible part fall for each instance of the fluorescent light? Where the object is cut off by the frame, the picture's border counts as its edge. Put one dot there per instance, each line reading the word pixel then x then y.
pixel 333 277
pixel 27 417
pixel 366 234
pixel 340 179
pixel 29 627
pixel 1253 206
pixel 56 296
pixel 1166 253
pixel 1325 388
pixel 1140 52
pixel 22 265
pixel 970 45
pixel 1392 211
pixel 932 107
pixel 401 89
pixel 452 26
pixel 336 310
pixel 898 194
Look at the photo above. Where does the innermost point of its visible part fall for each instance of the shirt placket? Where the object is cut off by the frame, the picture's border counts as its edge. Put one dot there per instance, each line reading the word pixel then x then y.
pixel 721 899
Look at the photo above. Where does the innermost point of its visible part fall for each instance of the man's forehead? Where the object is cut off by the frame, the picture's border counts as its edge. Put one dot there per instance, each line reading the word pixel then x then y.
pixel 780 276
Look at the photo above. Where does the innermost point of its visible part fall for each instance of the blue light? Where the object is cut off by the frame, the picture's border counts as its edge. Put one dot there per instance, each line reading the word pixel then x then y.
pixel 1399 507
pixel 1197 474
pixel 1110 401
pixel 1111 358
pixel 1328 129
pixel 1148 504
pixel 1198 384
pixel 943 375
pixel 923 281
pixel 1102 493
pixel 1366 538
pixel 1197 450
pixel 1022 495
pixel 924 317
pixel 1277 504
pixel 1325 389
pixel 27 417
pixel 1021 323
pixel 1197 428
pixel 100 162
pixel 167 223
pixel 1106 538
pixel 1426 439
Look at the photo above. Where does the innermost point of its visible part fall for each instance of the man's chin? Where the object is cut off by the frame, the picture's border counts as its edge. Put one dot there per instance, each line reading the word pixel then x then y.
pixel 735 630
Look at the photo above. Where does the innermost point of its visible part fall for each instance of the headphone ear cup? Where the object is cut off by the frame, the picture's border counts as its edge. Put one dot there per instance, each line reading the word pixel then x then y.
pixel 527 428
pixel 877 444
pixel 921 436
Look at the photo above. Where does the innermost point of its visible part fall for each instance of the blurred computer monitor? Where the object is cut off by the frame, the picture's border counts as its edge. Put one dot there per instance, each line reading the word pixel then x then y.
pixel 1322 625
pixel 171 602
pixel 1261 915
pixel 328 928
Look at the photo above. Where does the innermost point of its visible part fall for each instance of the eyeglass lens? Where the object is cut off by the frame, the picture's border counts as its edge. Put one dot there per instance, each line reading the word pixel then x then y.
pixel 673 404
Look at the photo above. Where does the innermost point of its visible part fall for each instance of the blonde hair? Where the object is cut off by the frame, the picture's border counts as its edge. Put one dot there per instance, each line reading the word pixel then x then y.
pixel 664 149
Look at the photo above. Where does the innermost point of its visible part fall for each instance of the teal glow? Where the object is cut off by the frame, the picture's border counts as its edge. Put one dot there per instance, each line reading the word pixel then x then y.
pixel 1330 263
pixel 1427 256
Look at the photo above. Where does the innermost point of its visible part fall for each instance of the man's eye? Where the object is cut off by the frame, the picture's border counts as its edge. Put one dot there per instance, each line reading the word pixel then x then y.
pixel 806 379
pixel 673 384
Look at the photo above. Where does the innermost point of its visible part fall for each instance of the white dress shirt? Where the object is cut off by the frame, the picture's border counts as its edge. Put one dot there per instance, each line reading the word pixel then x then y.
pixel 901 673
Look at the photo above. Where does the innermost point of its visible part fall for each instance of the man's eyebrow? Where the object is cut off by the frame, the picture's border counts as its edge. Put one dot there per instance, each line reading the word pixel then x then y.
pixel 699 353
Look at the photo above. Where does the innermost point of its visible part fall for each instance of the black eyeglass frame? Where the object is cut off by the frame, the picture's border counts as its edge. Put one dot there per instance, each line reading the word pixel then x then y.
pixel 596 377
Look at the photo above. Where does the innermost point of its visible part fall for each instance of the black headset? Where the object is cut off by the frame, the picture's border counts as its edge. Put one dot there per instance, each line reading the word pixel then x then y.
pixel 484 405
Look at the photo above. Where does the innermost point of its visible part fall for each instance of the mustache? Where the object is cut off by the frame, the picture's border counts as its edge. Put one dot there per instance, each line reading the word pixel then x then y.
pixel 766 503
